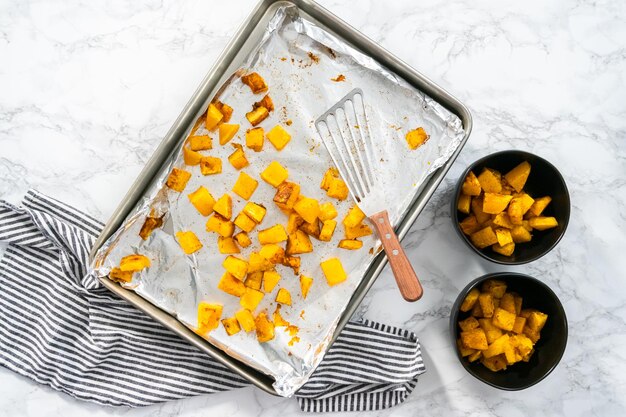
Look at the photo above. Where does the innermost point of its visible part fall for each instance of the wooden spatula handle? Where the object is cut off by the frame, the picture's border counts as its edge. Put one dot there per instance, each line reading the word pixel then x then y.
pixel 405 275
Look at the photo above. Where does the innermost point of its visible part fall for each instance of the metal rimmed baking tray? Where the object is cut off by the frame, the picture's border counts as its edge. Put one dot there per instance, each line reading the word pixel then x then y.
pixel 244 41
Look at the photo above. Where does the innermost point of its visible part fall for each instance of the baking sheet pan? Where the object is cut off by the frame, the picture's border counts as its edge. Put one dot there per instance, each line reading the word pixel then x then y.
pixel 241 45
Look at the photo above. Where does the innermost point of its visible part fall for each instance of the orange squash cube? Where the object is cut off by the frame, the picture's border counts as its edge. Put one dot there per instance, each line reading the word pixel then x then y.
pixel 278 137
pixel 225 109
pixel 245 319
pixel 202 200
pixel 254 138
pixel 416 138
pixel 227 132
pixel 254 279
pixel 177 180
pixel 264 328
pixel 358 231
pixel 227 245
pixel 255 82
pixel 244 222
pixel 224 206
pixel 251 299
pixel 506 250
pixel 274 174
pixel 210 165
pixel 220 225
pixel 463 205
pixel 495 203
pixel 200 143
pixel 191 157
pixel 257 115
pixel 134 263
pixel 490 181
pixel 328 228
pixel 283 297
pixel 208 316
pixel 299 243
pixel 231 325
pixel 231 285
pixel 270 280
pixel 274 234
pixel 517 176
pixel 117 275
pixel 327 211
pixel 213 117
pixel 149 225
pixel 350 244
pixel 484 237
pixel 337 189
pixel 354 217
pixel 287 194
pixel 307 208
pixel 236 266
pixel 255 211
pixel 539 205
pixel 188 241
pixel 245 186
pixel 543 223
pixel 305 285
pixel 471 186
pixel 333 271
pixel 238 158
pixel 273 253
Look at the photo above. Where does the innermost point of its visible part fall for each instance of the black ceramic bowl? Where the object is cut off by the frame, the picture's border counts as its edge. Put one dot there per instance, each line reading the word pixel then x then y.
pixel 548 349
pixel 544 179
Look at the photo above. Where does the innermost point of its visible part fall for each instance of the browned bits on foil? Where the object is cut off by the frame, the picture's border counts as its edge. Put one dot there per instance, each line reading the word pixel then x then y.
pixel 339 78
pixel 314 58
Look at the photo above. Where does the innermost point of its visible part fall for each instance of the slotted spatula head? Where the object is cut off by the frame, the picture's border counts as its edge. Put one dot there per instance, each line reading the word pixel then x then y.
pixel 345 131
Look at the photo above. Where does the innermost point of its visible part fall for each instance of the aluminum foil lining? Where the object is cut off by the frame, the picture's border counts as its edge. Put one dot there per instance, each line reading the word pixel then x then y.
pixel 299 61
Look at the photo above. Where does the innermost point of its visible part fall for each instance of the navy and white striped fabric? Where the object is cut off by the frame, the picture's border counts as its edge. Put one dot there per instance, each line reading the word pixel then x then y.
pixel 60 327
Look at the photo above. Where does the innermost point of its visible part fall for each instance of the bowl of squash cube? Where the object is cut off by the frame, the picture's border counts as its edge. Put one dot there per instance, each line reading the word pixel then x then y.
pixel 510 330
pixel 511 207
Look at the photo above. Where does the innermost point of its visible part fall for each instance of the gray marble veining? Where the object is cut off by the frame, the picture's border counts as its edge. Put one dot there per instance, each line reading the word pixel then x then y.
pixel 87 89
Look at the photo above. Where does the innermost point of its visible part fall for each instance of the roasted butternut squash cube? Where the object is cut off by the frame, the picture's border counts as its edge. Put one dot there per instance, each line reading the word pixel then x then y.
pixel 495 203
pixel 244 222
pixel 497 347
pixel 231 285
pixel 258 263
pixel 273 253
pixel 474 339
pixel 254 139
pixel 305 285
pixel 539 205
pixel 255 82
pixel 486 304
pixel 242 239
pixel 134 263
pixel 327 211
pixel 463 350
pixel 490 181
pixel 257 115
pixel 506 250
pixel 517 176
pixel 526 202
pixel 416 138
pixel 483 238
pixel 350 244
pixel 274 174
pixel 477 210
pixel 200 143
pixel 279 321
pixel 264 328
pixel 520 234
pixel 227 132
pixel 536 320
pixel 469 225
pixel 220 225
pixel 274 234
pixel 329 176
pixel 227 245
pixel 236 266
pixel 238 158
pixel 283 297
pixel 333 271
pixel 471 186
pixel 503 319
pixel 251 299
pixel 225 109
pixel 470 300
pixel 213 117
pixel 245 186
pixel 294 222
pixel 245 319
pixel 224 206
pixel 293 262
pixel 518 327
pixel 463 205
pixel 255 211
pixel 358 231
pixel 307 208
pixel 354 217
pixel 494 363
pixel 177 180
pixel 287 194
pixel 270 280
pixel 188 241
pixel 469 324
pixel 210 165
pixel 311 229
pixel 514 210
pixel 191 157
pixel 543 223
pixel 475 356
pixel 337 189
pixel 278 137
pixel 495 287
pixel 503 220
pixel 531 334
pixel 503 236
pixel 491 331
pixel 202 200
pixel 208 316
pixel 254 280
pixel 149 225
pixel 328 228
pixel 298 242
pixel 231 325
pixel 266 102
pixel 476 311
pixel 117 275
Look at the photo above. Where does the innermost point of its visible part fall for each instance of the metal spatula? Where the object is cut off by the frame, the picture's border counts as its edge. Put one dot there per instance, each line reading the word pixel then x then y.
pixel 345 132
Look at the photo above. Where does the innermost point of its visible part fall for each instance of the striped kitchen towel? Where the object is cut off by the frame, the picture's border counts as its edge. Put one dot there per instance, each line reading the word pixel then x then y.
pixel 60 327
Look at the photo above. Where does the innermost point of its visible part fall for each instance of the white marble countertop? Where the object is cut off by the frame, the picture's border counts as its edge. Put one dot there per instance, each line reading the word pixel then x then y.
pixel 88 89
